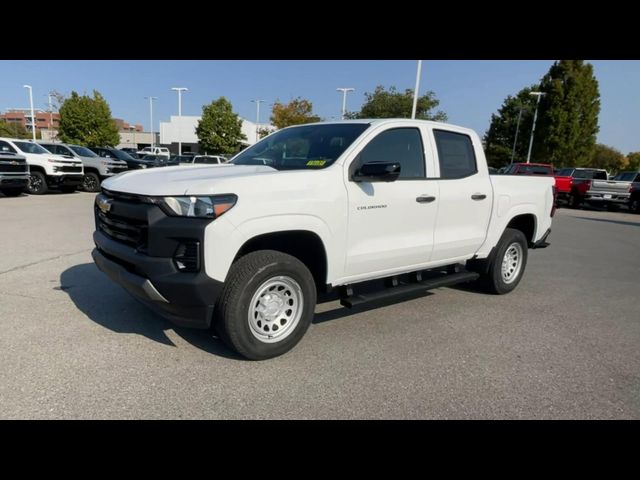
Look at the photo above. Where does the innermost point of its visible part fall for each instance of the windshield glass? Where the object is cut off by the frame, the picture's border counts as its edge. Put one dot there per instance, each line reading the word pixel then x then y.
pixel 591 174
pixel 626 177
pixel 82 151
pixel 28 147
pixel 307 147
pixel 533 170
pixel 120 155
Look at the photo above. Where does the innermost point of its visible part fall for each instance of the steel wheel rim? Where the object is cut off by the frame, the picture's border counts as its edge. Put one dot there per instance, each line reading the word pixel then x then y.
pixel 35 183
pixel 90 183
pixel 512 263
pixel 275 309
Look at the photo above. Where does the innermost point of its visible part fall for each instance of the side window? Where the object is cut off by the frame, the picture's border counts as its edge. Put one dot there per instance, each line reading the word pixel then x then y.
pixel 5 147
pixel 456 155
pixel 402 145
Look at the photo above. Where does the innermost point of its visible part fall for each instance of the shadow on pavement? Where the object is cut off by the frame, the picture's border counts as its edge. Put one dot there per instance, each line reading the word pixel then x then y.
pixel 112 307
pixel 619 222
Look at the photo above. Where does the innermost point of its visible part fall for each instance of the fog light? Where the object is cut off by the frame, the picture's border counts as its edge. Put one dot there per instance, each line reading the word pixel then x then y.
pixel 187 257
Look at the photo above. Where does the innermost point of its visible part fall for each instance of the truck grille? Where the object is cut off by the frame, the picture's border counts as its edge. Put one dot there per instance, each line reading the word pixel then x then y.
pixel 116 170
pixel 69 169
pixel 121 227
pixel 10 167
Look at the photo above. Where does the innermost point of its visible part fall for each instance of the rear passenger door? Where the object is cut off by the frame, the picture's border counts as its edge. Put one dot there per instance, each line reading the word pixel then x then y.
pixel 466 196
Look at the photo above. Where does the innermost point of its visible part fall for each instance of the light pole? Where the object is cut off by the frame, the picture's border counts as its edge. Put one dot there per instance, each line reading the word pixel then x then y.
pixel 344 98
pixel 533 128
pixel 33 118
pixel 151 99
pixel 415 92
pixel 513 153
pixel 179 90
pixel 257 102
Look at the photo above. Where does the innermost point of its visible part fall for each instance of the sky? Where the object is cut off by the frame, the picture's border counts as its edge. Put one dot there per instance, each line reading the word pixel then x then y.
pixel 469 90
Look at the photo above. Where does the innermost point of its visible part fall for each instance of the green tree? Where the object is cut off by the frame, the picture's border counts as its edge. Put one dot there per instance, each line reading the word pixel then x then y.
pixel 608 158
pixel 568 115
pixel 298 111
pixel 87 120
pixel 500 137
pixel 391 103
pixel 633 160
pixel 219 130
pixel 13 130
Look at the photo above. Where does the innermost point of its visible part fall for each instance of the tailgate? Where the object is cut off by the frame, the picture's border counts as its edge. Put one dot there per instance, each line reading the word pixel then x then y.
pixel 609 186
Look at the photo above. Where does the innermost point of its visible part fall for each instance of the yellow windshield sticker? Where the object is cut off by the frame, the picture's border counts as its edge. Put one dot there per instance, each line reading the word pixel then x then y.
pixel 316 163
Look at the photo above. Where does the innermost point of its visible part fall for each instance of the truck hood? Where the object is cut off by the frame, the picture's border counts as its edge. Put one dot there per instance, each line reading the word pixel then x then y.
pixel 180 180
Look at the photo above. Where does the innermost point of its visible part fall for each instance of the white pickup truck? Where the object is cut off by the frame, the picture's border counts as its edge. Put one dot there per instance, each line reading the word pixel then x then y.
pixel 246 246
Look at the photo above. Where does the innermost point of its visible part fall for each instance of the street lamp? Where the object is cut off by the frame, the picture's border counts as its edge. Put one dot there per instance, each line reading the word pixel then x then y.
pixel 33 118
pixel 151 99
pixel 257 102
pixel 415 92
pixel 535 116
pixel 344 98
pixel 515 141
pixel 179 90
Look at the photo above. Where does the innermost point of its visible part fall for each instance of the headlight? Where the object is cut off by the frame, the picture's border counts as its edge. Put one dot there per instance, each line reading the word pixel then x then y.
pixel 196 207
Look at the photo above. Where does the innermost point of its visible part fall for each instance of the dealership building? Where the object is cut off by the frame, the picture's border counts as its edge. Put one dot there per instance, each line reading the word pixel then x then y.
pixel 183 128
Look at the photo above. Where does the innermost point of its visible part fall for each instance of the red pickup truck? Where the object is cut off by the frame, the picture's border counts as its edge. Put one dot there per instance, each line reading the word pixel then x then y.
pixel 572 184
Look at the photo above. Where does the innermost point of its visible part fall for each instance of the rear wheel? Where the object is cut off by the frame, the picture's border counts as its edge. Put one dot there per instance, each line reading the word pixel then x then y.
pixel 12 192
pixel 575 201
pixel 91 182
pixel 634 205
pixel 267 304
pixel 507 266
pixel 37 184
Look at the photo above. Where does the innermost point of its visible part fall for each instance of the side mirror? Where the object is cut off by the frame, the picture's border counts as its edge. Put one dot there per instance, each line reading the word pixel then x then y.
pixel 377 172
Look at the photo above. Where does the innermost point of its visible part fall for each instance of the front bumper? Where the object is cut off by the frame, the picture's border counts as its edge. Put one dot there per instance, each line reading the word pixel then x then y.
pixel 186 299
pixel 14 181
pixel 65 180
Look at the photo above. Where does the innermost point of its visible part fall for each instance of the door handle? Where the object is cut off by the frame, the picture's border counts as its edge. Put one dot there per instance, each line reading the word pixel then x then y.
pixel 425 199
pixel 478 196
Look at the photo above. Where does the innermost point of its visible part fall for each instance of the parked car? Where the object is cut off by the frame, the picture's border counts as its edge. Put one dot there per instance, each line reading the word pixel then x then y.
pixel 96 169
pixel 131 151
pixel 572 184
pixel 132 163
pixel 14 173
pixel 157 160
pixel 46 170
pixel 544 169
pixel 358 201
pixel 162 151
pixel 179 159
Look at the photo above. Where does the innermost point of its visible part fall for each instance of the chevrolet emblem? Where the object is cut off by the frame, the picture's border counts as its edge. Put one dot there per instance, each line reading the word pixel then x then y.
pixel 104 203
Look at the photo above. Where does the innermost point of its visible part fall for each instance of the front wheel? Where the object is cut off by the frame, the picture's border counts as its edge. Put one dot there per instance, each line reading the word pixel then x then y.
pixel 267 304
pixel 37 184
pixel 507 266
pixel 91 182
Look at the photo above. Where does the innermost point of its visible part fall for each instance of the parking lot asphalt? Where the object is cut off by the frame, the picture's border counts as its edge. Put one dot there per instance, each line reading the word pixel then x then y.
pixel 563 345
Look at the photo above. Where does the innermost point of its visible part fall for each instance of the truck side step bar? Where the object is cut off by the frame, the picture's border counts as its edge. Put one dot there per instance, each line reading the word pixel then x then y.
pixel 397 289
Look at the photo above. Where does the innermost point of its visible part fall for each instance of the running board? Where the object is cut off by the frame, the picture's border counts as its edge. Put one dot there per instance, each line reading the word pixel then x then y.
pixel 352 300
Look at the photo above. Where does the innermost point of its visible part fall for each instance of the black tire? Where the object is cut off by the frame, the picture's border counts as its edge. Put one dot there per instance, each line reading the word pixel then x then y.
pixel 68 189
pixel 247 275
pixel 37 184
pixel 634 206
pixel 12 192
pixel 91 182
pixel 493 281
pixel 575 201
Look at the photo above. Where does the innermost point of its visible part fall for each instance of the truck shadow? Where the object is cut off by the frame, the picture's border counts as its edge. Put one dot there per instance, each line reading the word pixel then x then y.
pixel 619 222
pixel 113 308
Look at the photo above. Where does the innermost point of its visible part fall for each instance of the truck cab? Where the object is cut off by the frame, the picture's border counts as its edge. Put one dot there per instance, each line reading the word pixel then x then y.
pixel 46 170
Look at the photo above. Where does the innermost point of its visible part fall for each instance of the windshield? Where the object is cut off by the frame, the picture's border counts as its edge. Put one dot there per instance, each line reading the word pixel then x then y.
pixel 146 149
pixel 28 147
pixel 82 151
pixel 626 177
pixel 565 172
pixel 591 174
pixel 307 147
pixel 531 170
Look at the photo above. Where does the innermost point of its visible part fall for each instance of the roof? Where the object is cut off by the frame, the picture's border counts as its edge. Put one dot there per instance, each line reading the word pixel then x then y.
pixel 382 121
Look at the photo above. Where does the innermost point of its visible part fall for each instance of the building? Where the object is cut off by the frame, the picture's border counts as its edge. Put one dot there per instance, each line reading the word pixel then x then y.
pixel 184 128
pixel 22 116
